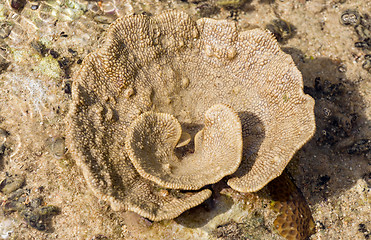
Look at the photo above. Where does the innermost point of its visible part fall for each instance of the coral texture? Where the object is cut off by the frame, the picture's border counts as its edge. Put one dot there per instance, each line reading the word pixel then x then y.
pixel 172 65
pixel 218 148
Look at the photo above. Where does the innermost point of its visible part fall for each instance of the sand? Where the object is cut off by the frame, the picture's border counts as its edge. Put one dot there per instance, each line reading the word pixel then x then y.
pixel 41 47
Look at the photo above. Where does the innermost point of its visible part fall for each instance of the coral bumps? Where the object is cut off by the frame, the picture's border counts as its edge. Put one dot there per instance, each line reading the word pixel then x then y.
pixel 169 104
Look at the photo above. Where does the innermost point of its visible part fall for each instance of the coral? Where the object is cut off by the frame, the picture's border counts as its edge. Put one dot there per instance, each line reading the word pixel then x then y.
pixel 152 138
pixel 172 65
pixel 295 219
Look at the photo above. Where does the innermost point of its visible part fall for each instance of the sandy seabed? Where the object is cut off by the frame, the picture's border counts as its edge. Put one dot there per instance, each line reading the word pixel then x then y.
pixel 41 47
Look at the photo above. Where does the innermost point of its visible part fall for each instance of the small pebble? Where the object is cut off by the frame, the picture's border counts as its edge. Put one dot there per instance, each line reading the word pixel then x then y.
pixel 350 17
pixel 36 202
pixel 367 65
pixel 67 87
pixel 12 206
pixel 48 210
pixel 16 194
pixel 34 7
pixel 99 237
pixel 38 217
pixel 11 183
pixel 281 29
pixel 103 19
pixel 54 53
pixel 342 68
pixel 63 34
pixel 33 219
pixel 363 32
pixel 3 135
pixel 364 45
pixel 39 47
pixel 5 29
pixel 320 225
pixel 58 148
pixel 18 4
pixel 73 52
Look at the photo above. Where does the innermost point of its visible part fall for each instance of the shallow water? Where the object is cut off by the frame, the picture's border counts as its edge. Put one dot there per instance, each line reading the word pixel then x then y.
pixel 42 46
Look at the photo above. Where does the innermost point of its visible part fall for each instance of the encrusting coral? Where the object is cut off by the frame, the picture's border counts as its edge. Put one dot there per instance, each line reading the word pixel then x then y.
pixel 177 69
pixel 295 220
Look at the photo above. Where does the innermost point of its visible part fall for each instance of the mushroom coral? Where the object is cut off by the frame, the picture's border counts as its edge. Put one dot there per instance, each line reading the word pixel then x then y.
pixel 156 77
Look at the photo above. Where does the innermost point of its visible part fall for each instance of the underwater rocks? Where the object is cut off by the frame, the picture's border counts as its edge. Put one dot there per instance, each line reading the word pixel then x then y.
pixel 362 27
pixel 34 211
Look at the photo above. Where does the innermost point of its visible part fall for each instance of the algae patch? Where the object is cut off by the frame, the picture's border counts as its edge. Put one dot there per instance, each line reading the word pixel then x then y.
pixel 50 67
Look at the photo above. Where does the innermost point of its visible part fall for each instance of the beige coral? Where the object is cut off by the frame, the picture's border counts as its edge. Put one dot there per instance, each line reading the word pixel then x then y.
pixel 152 138
pixel 170 64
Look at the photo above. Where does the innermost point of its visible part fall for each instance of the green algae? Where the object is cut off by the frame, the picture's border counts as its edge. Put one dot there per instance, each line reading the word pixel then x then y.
pixel 49 67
